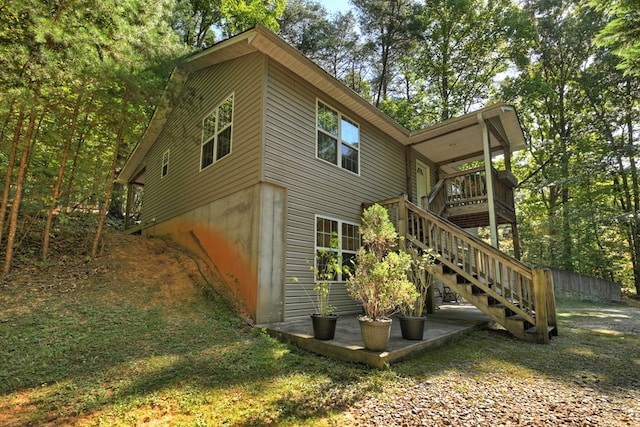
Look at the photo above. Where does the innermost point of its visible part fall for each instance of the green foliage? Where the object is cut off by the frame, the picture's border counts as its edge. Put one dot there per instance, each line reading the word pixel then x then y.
pixel 465 45
pixel 199 22
pixel 391 28
pixel 331 41
pixel 403 111
pixel 328 266
pixel 576 189
pixel 240 15
pixel 421 274
pixel 379 280
pixel 622 32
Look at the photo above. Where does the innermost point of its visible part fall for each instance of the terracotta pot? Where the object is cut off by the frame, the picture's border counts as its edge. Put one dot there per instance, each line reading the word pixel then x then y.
pixel 412 327
pixel 375 334
pixel 324 327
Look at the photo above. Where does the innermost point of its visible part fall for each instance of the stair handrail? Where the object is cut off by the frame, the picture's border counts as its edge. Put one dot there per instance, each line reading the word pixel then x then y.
pixel 523 290
pixel 437 192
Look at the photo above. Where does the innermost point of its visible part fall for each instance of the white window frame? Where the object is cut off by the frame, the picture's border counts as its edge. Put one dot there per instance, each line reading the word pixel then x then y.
pixel 341 250
pixel 165 164
pixel 338 138
pixel 217 132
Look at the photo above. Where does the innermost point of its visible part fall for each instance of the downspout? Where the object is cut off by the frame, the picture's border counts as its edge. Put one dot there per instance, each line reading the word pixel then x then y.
pixel 489 181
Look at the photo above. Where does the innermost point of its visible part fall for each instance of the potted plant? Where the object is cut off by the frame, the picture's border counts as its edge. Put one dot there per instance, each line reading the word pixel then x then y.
pixel 421 275
pixel 379 279
pixel 327 266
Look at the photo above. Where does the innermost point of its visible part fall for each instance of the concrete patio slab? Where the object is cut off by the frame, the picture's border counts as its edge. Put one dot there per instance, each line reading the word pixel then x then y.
pixel 448 322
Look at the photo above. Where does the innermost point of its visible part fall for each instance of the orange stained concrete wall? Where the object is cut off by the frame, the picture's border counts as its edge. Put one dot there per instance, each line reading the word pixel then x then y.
pixel 238 273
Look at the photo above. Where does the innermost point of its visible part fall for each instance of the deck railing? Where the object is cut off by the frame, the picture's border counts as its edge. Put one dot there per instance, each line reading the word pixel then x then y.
pixel 467 188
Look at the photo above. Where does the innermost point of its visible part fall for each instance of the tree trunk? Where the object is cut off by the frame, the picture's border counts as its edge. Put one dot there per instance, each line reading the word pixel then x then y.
pixel 115 205
pixel 112 173
pixel 13 220
pixel 58 185
pixel 382 89
pixel 7 182
pixel 67 193
pixel 635 229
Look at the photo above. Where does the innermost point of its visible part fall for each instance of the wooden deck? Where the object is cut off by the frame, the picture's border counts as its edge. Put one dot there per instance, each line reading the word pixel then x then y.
pixel 463 198
pixel 448 323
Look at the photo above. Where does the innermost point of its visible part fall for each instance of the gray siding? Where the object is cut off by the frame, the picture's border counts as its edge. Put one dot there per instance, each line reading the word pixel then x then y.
pixel 186 187
pixel 316 187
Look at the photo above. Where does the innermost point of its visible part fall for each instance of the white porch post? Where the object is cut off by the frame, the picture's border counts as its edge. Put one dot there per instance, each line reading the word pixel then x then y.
pixel 489 178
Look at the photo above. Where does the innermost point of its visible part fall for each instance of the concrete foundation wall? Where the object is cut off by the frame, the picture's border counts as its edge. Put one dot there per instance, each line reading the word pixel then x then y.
pixel 242 236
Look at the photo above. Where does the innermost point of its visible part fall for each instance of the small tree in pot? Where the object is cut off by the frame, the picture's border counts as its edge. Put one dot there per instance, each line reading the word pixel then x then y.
pixel 327 266
pixel 421 275
pixel 379 280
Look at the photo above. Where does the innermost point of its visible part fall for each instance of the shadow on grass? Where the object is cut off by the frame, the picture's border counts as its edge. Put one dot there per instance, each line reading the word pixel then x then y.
pixel 79 357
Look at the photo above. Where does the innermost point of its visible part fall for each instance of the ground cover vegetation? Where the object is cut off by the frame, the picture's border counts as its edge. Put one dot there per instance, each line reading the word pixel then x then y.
pixel 141 336
pixel 80 81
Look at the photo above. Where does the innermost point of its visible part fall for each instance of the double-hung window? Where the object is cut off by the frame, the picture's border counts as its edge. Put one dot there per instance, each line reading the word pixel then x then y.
pixel 216 133
pixel 340 238
pixel 165 164
pixel 338 139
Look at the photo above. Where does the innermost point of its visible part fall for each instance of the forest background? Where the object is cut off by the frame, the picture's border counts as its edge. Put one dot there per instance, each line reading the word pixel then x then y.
pixel 80 80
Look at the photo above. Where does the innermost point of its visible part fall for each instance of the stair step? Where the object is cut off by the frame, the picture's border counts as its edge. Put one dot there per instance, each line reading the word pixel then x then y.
pixel 518 318
pixel 507 311
pixel 534 330
pixel 477 291
pixel 447 270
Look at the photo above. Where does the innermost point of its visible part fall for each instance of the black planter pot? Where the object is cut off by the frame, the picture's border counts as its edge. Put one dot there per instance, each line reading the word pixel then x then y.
pixel 412 327
pixel 324 327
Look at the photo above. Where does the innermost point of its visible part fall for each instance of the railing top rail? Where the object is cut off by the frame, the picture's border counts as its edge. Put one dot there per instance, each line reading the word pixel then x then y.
pixel 391 201
pixel 462 173
pixel 522 268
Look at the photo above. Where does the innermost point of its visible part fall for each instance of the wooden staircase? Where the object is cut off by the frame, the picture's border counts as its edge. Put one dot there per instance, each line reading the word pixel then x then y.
pixel 512 294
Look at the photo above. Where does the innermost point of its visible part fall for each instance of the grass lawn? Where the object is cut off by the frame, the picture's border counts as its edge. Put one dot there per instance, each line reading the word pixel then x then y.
pixel 121 346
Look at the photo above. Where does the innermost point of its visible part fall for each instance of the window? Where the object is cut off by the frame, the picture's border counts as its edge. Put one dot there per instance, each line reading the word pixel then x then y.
pixel 338 139
pixel 165 164
pixel 337 236
pixel 216 133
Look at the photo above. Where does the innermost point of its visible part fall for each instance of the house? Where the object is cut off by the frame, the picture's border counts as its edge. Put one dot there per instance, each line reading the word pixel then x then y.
pixel 257 157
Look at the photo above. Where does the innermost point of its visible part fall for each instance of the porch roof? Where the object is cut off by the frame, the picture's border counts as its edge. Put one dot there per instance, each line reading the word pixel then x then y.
pixel 459 139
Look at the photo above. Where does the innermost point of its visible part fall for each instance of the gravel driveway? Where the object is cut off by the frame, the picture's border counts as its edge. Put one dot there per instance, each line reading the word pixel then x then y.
pixel 479 399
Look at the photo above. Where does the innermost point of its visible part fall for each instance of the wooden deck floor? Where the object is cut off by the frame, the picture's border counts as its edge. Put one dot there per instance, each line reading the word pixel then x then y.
pixel 449 322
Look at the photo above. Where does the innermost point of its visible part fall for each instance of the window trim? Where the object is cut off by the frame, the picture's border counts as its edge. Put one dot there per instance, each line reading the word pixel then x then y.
pixel 339 139
pixel 341 251
pixel 165 155
pixel 217 132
